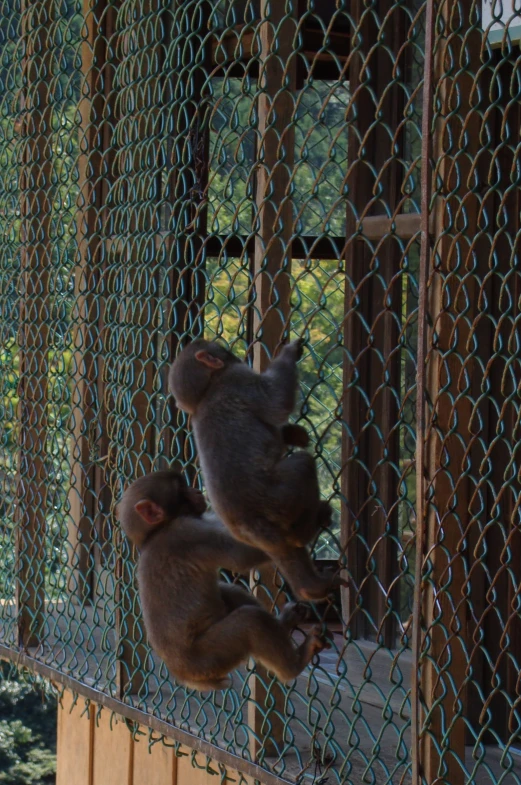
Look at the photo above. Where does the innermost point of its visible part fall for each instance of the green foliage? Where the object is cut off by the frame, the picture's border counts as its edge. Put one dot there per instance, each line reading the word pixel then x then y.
pixel 27 732
pixel 63 148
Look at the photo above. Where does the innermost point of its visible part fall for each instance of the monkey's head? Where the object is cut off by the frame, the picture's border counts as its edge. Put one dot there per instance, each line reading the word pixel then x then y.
pixel 156 499
pixel 194 369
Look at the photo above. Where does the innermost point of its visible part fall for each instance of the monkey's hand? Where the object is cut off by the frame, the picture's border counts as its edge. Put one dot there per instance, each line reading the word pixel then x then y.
pixel 293 614
pixel 333 577
pixel 327 581
pixel 296 347
pixel 325 515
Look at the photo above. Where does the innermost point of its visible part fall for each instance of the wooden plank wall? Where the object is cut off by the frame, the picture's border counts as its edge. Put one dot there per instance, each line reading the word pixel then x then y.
pixel 97 748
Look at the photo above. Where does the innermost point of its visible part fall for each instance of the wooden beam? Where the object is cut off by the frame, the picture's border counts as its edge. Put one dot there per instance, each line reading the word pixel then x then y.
pixel 75 742
pixel 271 268
pixel 131 419
pixel 241 43
pixel 404 226
pixel 112 751
pixel 89 441
pixel 184 235
pixel 450 437
pixel 373 302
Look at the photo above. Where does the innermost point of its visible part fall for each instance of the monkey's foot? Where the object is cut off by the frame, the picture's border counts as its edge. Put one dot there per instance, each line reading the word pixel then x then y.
pixel 293 614
pixel 320 639
pixel 325 584
pixel 299 537
pixel 325 515
pixel 295 435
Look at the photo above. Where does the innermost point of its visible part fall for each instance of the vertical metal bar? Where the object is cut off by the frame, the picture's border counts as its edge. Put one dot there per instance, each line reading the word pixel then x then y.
pixel 103 491
pixel 420 388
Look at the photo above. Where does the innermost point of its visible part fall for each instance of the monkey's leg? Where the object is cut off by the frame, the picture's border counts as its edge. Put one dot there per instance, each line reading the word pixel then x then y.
pixel 235 597
pixel 293 499
pixel 294 486
pixel 299 570
pixel 251 632
pixel 291 615
pixel 299 499
pixel 309 524
pixel 295 563
pixel 280 382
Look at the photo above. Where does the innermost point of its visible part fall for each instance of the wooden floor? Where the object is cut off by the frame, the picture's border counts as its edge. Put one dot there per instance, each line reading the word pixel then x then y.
pixel 353 707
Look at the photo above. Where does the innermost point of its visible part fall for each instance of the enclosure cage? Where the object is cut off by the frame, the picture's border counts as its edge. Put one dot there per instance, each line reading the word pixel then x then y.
pixel 347 171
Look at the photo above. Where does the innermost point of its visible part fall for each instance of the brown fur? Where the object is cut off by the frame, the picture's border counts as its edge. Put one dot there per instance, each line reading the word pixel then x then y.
pixel 202 628
pixel 266 499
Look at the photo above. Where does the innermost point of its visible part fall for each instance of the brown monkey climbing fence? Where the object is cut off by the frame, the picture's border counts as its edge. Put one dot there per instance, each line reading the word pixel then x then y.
pixel 347 171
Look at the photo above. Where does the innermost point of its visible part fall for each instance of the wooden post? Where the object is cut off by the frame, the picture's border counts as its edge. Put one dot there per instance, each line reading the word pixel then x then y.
pixel 501 573
pixel 371 370
pixel 272 264
pixel 185 223
pixel 95 173
pixel 450 438
pixel 135 218
pixel 144 114
pixel 36 203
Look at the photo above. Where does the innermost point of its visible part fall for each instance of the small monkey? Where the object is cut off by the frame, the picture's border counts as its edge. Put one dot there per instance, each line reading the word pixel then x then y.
pixel 201 627
pixel 239 416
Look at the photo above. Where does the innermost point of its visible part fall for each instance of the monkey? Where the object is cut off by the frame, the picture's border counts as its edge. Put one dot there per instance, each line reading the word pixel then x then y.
pixel 239 417
pixel 203 628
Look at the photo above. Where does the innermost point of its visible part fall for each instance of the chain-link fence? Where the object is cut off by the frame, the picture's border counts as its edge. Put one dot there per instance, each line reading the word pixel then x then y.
pixel 343 170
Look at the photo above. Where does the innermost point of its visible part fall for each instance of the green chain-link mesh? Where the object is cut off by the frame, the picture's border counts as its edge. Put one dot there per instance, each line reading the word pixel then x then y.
pixel 251 170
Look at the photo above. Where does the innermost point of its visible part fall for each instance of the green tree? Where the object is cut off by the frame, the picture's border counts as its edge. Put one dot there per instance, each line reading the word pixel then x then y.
pixel 27 730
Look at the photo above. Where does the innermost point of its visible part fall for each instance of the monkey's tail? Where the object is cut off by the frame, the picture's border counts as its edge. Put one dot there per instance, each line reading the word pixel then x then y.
pixel 211 684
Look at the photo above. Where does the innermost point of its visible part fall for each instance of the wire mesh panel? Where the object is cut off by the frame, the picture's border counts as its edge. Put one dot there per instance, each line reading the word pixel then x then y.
pixel 471 652
pixel 252 171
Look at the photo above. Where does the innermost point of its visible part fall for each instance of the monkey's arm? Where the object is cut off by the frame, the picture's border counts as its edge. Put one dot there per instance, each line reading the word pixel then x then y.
pixel 279 384
pixel 217 548
pixel 295 435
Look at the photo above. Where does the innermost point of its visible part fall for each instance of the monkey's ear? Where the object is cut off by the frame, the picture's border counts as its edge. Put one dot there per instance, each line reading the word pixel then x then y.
pixel 151 512
pixel 209 360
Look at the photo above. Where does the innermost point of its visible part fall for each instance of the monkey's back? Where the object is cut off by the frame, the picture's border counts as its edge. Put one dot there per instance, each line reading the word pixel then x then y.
pixel 238 450
pixel 179 598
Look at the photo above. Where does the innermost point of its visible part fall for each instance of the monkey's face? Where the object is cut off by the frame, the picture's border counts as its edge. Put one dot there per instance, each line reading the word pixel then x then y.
pixel 156 499
pixel 181 500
